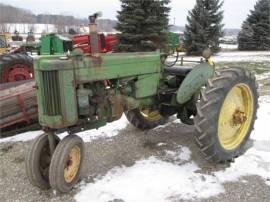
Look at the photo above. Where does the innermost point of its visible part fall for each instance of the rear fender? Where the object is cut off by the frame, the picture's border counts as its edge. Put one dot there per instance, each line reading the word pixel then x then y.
pixel 194 81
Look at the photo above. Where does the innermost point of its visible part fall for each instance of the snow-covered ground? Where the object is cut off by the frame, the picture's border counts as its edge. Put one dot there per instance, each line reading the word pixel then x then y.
pixel 242 56
pixel 107 131
pixel 175 175
pixel 38 29
pixel 178 176
pixel 234 56
pixel 237 56
pixel 25 28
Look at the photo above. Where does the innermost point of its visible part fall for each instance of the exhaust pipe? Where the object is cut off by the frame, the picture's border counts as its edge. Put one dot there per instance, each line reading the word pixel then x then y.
pixel 94 34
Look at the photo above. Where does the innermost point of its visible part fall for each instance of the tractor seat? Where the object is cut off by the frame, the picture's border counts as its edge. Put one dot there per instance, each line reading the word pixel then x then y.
pixel 178 70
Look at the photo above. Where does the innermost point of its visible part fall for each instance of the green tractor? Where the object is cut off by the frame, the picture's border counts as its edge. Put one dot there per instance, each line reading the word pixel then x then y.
pixel 81 92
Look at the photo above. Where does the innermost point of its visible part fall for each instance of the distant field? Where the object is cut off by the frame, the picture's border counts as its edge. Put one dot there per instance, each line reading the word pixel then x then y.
pixel 258 61
pixel 258 67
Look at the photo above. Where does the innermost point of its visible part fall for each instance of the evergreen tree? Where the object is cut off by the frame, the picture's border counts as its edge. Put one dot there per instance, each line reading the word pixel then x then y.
pixel 204 27
pixel 143 25
pixel 255 33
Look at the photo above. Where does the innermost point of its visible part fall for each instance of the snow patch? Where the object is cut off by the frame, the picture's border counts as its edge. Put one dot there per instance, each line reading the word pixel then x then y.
pixel 23 137
pixel 161 144
pixel 242 56
pixel 229 46
pixel 151 180
pixel 107 131
pixel 158 180
pixel 263 76
pixel 233 56
pixel 180 154
pixel 262 127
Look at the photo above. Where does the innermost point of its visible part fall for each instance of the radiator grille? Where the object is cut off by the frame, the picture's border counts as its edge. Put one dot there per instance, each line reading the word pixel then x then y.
pixel 51 92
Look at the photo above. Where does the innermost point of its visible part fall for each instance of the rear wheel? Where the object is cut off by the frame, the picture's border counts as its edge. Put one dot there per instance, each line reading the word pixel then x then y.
pixel 16 67
pixel 66 163
pixel 226 114
pixel 145 118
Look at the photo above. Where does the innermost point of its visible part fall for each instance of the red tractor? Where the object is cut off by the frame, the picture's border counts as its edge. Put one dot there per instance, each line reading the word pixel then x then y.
pixel 15 67
pixel 105 42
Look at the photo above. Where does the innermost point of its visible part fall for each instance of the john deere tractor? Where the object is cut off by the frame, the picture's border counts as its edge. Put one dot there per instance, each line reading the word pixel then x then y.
pixel 81 92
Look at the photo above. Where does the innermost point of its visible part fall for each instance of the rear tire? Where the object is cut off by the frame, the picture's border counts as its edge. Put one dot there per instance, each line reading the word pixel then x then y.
pixel 219 132
pixel 66 164
pixel 15 67
pixel 140 120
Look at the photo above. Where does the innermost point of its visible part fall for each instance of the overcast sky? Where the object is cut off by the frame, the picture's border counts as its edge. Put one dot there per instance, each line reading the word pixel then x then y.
pixel 235 11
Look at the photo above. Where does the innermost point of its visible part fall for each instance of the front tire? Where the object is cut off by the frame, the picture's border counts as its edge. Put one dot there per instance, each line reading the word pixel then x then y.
pixel 226 114
pixel 38 161
pixel 66 163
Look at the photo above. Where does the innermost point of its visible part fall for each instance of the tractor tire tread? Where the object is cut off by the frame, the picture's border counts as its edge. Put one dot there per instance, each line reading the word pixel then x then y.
pixel 56 174
pixel 136 119
pixel 205 133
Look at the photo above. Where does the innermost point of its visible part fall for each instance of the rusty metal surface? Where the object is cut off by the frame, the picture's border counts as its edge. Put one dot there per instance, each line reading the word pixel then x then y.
pixel 17 103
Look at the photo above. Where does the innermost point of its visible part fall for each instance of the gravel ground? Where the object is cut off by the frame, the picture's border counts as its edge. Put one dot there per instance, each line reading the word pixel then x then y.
pixel 124 149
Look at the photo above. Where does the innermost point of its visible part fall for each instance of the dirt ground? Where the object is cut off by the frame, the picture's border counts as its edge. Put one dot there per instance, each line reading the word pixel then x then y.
pixel 124 149
pixel 129 146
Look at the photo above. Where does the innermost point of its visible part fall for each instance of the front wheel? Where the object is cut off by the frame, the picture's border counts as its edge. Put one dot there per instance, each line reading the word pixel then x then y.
pixel 38 161
pixel 66 163
pixel 226 114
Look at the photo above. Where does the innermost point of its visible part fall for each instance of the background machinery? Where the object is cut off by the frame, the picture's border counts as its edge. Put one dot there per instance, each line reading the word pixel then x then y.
pixel 4 46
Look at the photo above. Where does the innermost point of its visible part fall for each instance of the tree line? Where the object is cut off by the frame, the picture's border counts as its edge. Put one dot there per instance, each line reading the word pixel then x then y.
pixel 143 25
pixel 63 23
pixel 11 14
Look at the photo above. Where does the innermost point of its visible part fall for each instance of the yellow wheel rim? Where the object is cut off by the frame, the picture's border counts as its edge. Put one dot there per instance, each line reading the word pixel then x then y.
pixel 235 116
pixel 72 164
pixel 150 115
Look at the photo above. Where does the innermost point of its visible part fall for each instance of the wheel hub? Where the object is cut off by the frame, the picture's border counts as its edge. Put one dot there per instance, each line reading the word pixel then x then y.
pixel 239 117
pixel 151 115
pixel 18 72
pixel 235 116
pixel 72 164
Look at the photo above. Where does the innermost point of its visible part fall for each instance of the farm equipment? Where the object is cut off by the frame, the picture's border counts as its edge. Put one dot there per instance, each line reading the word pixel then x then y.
pixel 4 46
pixel 30 37
pixel 105 43
pixel 80 92
pixel 15 67
pixel 18 105
pixel 17 37
pixel 53 44
pixel 175 42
